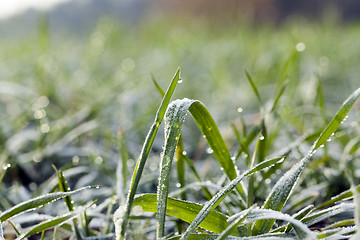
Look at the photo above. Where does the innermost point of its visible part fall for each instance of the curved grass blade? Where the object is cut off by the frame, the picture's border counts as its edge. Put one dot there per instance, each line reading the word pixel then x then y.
pixel 254 88
pixel 35 203
pixel 121 217
pixel 186 211
pixel 301 229
pixel 52 223
pixel 283 188
pixel 175 116
pixel 210 205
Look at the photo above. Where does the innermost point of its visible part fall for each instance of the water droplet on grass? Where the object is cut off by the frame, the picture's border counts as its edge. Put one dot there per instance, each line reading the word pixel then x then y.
pixel 239 109
pixel 180 80
pixel 6 166
pixel 184 153
pixel 261 138
pixel 300 47
pixel 178 185
pixel 209 150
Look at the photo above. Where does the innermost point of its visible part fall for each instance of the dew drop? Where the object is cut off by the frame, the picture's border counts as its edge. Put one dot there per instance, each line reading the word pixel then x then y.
pixel 329 140
pixel 300 47
pixel 97 186
pixel 209 150
pixel 204 136
pixel 233 158
pixel 239 109
pixel 178 185
pixel 6 166
pixel 184 153
pixel 180 80
pixel 321 146
pixel 268 181
pixel 261 138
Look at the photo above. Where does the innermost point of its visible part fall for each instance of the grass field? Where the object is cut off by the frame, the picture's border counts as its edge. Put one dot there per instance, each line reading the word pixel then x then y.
pixel 270 135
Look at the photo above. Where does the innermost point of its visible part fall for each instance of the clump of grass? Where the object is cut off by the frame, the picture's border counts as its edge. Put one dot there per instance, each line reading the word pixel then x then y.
pixel 260 188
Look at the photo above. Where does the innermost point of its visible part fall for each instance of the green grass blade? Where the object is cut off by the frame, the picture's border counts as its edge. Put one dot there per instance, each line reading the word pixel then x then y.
pixel 252 83
pixel 180 165
pixel 278 96
pixel 184 210
pixel 50 223
pixel 336 121
pixel 121 218
pixel 208 127
pixel 344 195
pixel 217 198
pixel 35 203
pixel 283 188
pixel 160 90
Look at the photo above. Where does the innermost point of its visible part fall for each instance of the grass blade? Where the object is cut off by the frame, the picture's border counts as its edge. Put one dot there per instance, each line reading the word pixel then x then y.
pixel 210 205
pixel 186 211
pixel 175 116
pixel 51 223
pixel 35 203
pixel 252 83
pixel 121 217
pixel 283 188
pixel 301 229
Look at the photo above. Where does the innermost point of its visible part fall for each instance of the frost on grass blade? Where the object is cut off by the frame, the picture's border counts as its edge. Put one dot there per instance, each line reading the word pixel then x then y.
pixel 121 217
pixel 175 116
pixel 301 229
pixel 35 203
pixel 283 188
pixel 220 195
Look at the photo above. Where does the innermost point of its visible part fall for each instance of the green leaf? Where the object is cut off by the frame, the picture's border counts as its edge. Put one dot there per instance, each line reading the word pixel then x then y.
pixel 344 195
pixel 186 211
pixel 254 88
pixel 35 203
pixel 283 188
pixel 121 216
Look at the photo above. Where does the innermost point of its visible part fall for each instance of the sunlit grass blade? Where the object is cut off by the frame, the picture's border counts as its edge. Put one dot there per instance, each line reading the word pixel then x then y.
pixel 283 188
pixel 35 203
pixel 338 118
pixel 186 211
pixel 210 205
pixel 121 217
pixel 160 90
pixel 278 96
pixel 52 223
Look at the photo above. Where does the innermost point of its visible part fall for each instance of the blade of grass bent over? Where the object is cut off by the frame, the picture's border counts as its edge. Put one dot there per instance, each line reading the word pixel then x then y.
pixel 121 217
pixel 283 188
pixel 35 203
pixel 51 223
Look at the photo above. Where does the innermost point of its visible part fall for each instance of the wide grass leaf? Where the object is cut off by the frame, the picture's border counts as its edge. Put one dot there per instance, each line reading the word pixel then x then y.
pixel 186 211
pixel 283 188
pixel 35 203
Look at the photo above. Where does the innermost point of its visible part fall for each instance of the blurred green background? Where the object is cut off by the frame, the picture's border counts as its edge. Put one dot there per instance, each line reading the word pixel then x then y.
pixel 73 75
